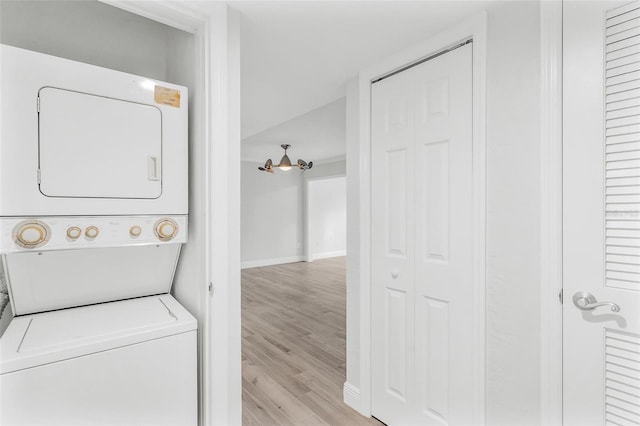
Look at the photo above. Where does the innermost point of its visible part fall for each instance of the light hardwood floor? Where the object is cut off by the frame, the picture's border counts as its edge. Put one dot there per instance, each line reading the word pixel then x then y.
pixel 293 345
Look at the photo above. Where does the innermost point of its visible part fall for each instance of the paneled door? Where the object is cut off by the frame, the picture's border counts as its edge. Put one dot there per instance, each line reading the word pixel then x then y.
pixel 601 224
pixel 422 321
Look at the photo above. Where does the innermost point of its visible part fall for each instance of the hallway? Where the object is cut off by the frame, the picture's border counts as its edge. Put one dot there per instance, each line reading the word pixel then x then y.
pixel 293 345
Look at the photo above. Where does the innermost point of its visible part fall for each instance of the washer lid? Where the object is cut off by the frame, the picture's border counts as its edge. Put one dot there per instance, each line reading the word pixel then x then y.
pixel 33 340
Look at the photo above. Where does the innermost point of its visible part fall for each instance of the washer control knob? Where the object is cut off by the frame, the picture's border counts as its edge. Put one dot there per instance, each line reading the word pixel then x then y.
pixel 73 232
pixel 91 232
pixel 31 234
pixel 135 231
pixel 165 229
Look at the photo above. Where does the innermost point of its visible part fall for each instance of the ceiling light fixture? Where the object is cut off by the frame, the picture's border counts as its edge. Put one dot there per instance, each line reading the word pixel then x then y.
pixel 285 163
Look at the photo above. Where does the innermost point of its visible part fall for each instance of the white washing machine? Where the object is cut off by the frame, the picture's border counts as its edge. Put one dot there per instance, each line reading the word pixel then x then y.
pixel 93 214
pixel 130 362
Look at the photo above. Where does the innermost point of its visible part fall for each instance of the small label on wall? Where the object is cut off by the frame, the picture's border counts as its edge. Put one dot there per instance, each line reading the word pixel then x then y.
pixel 167 96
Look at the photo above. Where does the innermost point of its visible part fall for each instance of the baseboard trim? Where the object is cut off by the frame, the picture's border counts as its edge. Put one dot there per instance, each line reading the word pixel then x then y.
pixel 326 255
pixel 268 262
pixel 351 397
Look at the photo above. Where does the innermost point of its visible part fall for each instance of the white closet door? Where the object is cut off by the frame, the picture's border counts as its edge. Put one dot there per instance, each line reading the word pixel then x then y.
pixel 422 200
pixel 601 223
pixel 443 232
pixel 392 223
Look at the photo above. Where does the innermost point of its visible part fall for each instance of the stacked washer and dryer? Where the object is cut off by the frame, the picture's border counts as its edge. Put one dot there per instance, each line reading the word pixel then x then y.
pixel 93 212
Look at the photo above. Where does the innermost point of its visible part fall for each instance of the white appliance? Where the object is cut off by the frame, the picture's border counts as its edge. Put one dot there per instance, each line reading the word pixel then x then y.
pixel 93 213
pixel 121 363
pixel 84 140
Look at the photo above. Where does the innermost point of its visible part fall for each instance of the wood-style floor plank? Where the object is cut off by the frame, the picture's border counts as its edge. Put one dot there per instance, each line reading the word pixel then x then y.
pixel 293 345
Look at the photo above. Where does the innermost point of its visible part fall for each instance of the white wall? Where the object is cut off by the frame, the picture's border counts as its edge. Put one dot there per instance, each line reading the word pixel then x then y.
pixel 513 223
pixel 353 241
pixel 87 31
pixel 326 217
pixel 271 223
pixel 273 215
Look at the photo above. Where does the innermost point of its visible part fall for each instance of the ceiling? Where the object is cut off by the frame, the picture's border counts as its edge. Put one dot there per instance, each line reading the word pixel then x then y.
pixel 297 56
pixel 315 136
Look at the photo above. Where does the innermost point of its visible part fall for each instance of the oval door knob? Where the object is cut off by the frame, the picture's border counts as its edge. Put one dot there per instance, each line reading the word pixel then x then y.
pixel 394 274
pixel 586 301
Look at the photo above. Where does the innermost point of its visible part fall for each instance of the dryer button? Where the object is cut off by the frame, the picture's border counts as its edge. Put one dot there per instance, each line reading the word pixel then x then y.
pixel 31 234
pixel 73 232
pixel 135 231
pixel 91 232
pixel 165 229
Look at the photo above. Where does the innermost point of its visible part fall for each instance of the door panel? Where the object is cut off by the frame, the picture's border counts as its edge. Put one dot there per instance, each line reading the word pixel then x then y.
pixel 96 147
pixel 433 386
pixel 427 195
pixel 396 223
pixel 601 224
pixel 436 201
pixel 396 343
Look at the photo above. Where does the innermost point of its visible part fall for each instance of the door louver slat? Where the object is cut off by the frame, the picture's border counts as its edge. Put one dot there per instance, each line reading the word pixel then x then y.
pixel 622 159
pixel 622 378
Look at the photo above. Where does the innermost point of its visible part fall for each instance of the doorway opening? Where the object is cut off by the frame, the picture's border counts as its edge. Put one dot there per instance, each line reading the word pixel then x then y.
pixel 302 328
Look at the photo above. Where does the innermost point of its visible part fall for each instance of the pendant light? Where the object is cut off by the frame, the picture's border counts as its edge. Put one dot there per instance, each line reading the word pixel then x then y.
pixel 285 163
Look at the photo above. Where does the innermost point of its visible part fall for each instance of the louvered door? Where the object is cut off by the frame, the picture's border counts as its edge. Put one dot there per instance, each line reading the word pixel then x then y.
pixel 601 343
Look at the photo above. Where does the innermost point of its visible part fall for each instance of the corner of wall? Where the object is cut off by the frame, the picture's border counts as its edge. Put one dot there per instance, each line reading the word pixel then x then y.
pixel 351 396
pixel 353 238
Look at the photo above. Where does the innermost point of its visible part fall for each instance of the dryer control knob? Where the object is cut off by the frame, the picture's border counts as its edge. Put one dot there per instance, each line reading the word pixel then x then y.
pixel 73 232
pixel 165 229
pixel 91 232
pixel 135 231
pixel 31 234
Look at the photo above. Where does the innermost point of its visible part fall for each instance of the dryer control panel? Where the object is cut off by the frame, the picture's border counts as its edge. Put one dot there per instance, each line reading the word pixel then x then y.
pixel 22 234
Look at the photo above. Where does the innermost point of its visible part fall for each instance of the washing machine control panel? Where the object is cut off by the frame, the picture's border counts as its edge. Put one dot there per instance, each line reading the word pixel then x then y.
pixel 73 232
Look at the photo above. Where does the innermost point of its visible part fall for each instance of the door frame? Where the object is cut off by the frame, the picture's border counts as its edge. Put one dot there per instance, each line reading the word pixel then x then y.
pixel 216 31
pixel 307 228
pixel 551 200
pixel 474 29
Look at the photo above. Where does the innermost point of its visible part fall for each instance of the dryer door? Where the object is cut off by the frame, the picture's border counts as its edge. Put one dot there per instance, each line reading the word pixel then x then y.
pixel 97 147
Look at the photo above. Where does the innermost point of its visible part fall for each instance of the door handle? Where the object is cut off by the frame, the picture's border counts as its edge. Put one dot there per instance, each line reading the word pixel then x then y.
pixel 152 168
pixel 586 301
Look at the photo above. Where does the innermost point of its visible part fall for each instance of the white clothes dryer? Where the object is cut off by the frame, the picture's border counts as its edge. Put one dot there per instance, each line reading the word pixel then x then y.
pixel 78 139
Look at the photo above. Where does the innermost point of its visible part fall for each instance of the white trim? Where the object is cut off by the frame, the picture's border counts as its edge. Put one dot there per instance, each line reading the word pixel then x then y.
pixel 330 160
pixel 269 262
pixel 551 213
pixel 351 395
pixel 216 33
pixel 472 28
pixel 326 255
pixel 167 12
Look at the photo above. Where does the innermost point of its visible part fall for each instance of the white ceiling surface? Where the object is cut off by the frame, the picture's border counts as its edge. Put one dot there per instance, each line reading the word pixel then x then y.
pixel 315 136
pixel 298 55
